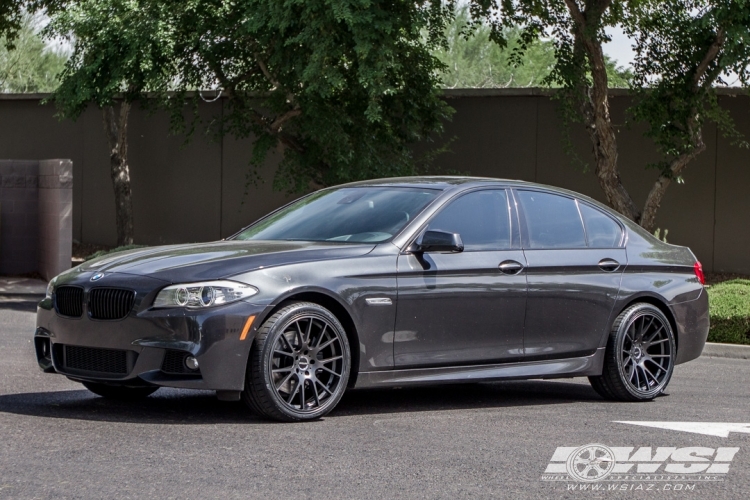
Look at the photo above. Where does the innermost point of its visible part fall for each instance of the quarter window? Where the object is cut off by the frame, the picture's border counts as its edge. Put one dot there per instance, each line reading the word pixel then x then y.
pixel 482 218
pixel 552 221
pixel 601 230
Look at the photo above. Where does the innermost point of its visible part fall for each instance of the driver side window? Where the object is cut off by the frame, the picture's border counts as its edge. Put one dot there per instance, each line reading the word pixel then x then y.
pixel 482 218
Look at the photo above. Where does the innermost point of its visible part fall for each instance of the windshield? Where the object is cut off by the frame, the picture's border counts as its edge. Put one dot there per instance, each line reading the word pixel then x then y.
pixel 355 215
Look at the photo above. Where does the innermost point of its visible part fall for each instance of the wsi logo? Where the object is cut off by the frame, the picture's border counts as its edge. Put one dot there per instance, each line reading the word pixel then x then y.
pixel 597 462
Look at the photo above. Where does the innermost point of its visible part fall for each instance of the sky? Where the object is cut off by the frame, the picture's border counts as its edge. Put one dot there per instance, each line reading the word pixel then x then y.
pixel 619 48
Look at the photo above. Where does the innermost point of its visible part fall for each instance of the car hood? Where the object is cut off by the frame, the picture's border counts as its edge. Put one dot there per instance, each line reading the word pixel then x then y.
pixel 216 260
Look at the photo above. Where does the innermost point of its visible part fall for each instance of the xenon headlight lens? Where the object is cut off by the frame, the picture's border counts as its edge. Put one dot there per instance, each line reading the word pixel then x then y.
pixel 206 294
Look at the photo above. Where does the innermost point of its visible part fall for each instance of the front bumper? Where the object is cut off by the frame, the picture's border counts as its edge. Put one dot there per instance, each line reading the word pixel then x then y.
pixel 147 346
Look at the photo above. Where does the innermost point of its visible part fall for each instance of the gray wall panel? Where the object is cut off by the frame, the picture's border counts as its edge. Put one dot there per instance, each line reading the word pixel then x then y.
pixel 196 192
pixel 243 202
pixel 30 131
pixel 176 186
pixel 502 146
pixel 732 230
pixel 97 217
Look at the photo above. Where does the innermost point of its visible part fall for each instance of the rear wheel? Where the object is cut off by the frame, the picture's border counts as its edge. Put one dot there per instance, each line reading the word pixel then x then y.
pixel 299 364
pixel 640 355
pixel 120 392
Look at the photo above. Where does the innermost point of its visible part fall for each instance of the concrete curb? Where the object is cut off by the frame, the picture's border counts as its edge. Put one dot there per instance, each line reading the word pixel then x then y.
pixel 734 351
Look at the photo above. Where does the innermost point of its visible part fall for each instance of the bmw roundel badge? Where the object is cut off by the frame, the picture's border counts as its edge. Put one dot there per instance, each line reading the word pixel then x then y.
pixel 97 276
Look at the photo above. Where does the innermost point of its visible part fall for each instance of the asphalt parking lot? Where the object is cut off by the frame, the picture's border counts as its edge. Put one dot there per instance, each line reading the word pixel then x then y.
pixel 57 440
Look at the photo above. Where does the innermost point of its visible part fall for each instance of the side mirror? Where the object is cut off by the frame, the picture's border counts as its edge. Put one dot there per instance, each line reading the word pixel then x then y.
pixel 439 241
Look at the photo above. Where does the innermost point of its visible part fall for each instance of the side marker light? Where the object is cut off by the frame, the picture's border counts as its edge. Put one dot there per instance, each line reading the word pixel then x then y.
pixel 248 324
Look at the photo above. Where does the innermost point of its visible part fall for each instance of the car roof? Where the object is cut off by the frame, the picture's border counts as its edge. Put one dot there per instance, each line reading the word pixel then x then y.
pixel 434 182
pixel 447 182
pixel 444 182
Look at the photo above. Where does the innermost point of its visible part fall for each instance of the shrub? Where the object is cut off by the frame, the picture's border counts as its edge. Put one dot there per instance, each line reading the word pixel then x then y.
pixel 729 305
pixel 116 249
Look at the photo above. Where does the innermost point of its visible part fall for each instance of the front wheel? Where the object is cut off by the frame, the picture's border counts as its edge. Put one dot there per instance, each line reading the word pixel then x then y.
pixel 640 356
pixel 120 392
pixel 299 364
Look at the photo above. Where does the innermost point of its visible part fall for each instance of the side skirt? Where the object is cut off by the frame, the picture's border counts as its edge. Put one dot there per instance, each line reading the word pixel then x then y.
pixel 553 368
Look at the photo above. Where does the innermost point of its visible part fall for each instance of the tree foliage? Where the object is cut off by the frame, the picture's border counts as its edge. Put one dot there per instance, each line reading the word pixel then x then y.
pixel 342 88
pixel 30 65
pixel 473 60
pixel 684 48
pixel 11 20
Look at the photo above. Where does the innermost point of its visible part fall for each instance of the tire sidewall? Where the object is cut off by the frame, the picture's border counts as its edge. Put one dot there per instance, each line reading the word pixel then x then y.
pixel 629 318
pixel 295 312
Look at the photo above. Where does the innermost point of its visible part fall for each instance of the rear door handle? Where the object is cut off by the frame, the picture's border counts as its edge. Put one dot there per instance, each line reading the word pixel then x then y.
pixel 510 267
pixel 609 265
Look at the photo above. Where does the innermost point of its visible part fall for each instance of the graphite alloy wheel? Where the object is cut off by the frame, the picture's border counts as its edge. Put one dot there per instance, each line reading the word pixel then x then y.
pixel 640 356
pixel 299 364
pixel 120 392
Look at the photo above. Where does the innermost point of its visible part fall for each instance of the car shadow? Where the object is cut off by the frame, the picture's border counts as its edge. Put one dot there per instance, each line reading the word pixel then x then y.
pixel 183 407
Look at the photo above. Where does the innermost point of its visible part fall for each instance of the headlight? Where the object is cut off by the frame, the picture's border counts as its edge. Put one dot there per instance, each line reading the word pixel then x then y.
pixel 206 294
pixel 50 288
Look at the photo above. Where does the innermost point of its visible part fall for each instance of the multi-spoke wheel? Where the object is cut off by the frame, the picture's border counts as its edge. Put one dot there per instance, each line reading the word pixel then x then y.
pixel 299 365
pixel 640 356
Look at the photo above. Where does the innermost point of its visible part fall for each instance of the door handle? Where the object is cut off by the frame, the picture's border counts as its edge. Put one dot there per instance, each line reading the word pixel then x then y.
pixel 510 267
pixel 609 265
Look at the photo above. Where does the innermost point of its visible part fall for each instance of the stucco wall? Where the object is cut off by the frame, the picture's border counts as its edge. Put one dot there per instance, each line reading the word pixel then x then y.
pixel 196 191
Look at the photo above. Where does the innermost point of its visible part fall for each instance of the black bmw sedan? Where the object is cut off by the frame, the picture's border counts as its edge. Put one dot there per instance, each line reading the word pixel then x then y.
pixel 392 282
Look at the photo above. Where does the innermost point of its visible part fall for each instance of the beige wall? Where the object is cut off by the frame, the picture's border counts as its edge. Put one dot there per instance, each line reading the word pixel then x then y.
pixel 195 191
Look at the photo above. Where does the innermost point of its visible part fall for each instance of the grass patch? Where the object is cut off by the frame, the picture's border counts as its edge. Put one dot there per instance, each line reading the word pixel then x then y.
pixel 123 248
pixel 729 306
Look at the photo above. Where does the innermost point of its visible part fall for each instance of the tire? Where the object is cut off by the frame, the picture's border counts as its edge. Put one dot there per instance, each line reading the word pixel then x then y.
pixel 119 392
pixel 640 355
pixel 299 364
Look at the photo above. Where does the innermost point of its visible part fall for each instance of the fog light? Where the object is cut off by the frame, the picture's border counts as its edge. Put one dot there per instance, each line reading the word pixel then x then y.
pixel 191 363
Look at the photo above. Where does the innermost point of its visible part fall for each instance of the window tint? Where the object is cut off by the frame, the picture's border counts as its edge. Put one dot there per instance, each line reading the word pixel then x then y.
pixel 481 218
pixel 601 230
pixel 552 221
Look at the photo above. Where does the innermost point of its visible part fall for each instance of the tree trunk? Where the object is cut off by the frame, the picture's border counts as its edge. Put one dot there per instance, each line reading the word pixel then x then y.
pixel 595 107
pixel 116 130
pixel 653 201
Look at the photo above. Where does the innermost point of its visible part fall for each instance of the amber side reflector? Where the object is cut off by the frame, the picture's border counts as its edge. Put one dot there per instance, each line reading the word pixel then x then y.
pixel 248 324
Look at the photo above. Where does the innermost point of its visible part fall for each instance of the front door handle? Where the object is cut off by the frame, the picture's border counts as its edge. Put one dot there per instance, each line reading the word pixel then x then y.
pixel 510 267
pixel 609 265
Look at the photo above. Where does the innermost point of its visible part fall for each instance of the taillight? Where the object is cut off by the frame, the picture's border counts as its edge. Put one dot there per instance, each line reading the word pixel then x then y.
pixel 698 268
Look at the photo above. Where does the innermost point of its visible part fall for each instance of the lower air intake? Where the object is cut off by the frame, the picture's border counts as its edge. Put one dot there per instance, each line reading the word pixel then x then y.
pixel 97 361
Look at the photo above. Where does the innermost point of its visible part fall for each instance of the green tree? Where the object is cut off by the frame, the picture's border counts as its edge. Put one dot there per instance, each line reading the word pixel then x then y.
pixel 30 66
pixel 473 60
pixel 11 19
pixel 342 87
pixel 683 49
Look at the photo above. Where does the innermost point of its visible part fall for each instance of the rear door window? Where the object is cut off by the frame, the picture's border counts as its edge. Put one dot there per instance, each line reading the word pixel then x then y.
pixel 552 221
